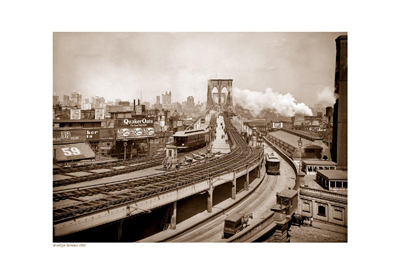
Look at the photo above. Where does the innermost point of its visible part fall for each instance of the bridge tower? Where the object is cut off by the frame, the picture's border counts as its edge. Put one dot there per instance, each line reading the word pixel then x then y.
pixel 219 84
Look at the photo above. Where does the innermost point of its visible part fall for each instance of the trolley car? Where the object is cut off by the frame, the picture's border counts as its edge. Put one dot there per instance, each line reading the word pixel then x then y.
pixel 191 139
pixel 272 164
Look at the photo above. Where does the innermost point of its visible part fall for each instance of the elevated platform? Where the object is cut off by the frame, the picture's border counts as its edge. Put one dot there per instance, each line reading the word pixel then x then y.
pixel 220 144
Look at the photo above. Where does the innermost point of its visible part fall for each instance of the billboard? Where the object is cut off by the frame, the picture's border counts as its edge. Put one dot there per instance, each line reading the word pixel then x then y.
pixel 75 114
pixel 277 125
pixel 107 134
pixel 69 136
pixel 136 122
pixel 128 133
pixel 99 113
pixel 92 134
pixel 138 110
pixel 71 152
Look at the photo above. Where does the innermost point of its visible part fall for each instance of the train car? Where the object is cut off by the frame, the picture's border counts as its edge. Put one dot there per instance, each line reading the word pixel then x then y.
pixel 191 139
pixel 272 164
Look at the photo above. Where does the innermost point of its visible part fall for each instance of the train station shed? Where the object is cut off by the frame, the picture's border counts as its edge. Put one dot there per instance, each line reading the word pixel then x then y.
pixel 312 147
pixel 335 180
pixel 312 166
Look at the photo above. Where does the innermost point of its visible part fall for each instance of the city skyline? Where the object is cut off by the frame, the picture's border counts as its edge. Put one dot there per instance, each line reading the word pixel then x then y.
pixel 124 65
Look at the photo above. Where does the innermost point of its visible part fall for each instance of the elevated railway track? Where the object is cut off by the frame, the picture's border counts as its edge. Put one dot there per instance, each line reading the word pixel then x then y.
pixel 96 198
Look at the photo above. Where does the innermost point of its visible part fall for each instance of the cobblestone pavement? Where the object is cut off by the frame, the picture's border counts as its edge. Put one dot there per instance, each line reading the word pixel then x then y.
pixel 309 234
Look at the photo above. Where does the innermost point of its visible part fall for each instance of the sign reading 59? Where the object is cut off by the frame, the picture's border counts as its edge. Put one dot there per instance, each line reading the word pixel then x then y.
pixel 69 151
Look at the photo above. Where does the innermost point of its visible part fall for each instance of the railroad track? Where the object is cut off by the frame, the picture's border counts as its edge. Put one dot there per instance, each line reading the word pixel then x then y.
pixel 129 166
pixel 206 230
pixel 118 193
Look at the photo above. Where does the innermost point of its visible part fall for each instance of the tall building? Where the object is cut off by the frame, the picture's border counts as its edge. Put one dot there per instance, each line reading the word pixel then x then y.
pixel 65 100
pixel 190 104
pixel 55 99
pixel 76 98
pixel 158 100
pixel 339 137
pixel 166 98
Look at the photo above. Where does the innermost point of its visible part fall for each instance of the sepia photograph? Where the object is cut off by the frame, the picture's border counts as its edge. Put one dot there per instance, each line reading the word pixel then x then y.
pixel 200 137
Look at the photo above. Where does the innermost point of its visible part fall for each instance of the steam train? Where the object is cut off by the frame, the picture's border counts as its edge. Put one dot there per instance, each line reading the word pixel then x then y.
pixel 191 139
pixel 272 164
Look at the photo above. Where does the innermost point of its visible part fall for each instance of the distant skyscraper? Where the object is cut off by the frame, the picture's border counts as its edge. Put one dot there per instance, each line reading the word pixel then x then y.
pixel 76 98
pixel 55 99
pixel 166 98
pixel 190 104
pixel 65 101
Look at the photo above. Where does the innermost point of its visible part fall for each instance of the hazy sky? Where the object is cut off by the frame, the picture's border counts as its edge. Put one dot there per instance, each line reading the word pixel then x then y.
pixel 120 65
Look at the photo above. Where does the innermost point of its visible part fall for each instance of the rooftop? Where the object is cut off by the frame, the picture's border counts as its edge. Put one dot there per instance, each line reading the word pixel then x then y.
pixel 319 162
pixel 333 174
pixel 288 193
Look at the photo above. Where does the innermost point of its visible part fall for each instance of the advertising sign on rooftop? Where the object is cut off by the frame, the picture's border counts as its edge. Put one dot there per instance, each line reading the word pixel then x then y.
pixel 69 136
pixel 99 113
pixel 138 110
pixel 128 133
pixel 75 114
pixel 136 122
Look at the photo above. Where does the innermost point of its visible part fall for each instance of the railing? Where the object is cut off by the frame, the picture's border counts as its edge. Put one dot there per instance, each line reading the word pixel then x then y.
pixel 283 155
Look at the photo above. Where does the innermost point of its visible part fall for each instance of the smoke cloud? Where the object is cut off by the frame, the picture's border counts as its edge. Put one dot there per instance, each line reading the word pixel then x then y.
pixel 256 101
pixel 326 96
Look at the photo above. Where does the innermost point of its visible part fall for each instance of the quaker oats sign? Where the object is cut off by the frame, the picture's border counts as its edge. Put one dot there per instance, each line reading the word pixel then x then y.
pixel 137 122
pixel 126 133
pixel 141 126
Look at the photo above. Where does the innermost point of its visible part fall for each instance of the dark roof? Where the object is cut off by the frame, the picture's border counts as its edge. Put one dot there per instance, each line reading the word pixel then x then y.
pixel 189 132
pixel 333 174
pixel 289 193
pixel 234 217
pixel 319 162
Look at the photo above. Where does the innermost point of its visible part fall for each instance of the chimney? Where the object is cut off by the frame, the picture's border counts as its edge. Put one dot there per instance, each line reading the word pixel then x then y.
pixel 329 111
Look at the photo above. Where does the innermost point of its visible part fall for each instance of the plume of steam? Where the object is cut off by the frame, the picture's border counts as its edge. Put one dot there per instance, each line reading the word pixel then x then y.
pixel 326 96
pixel 256 101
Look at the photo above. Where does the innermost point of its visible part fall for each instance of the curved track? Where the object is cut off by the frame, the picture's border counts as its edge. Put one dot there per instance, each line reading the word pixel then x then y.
pixel 114 194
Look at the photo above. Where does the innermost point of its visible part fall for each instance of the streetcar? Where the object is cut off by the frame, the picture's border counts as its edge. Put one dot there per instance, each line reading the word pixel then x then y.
pixel 235 223
pixel 272 164
pixel 191 139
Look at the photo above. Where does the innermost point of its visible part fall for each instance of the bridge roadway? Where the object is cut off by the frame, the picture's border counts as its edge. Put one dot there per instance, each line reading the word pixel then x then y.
pixel 152 192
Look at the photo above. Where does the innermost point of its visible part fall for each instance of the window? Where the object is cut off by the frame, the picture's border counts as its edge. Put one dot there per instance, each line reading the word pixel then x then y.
pixel 338 214
pixel 339 184
pixel 344 184
pixel 321 210
pixel 332 183
pixel 306 207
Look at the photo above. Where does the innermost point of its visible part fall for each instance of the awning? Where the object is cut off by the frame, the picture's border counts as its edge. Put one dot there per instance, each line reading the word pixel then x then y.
pixel 69 152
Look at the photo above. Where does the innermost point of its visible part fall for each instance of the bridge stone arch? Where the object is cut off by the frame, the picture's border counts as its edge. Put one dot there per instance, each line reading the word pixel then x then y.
pixel 219 84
